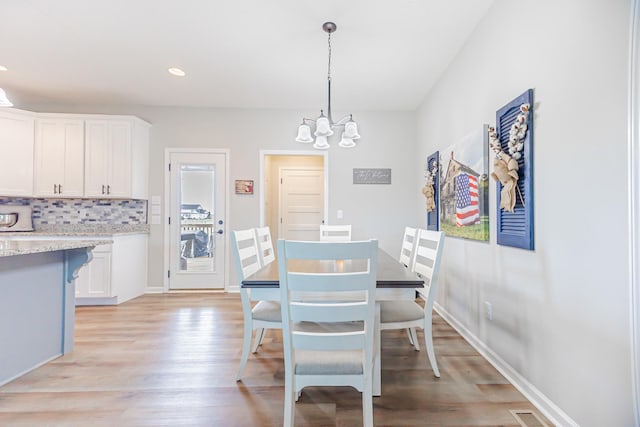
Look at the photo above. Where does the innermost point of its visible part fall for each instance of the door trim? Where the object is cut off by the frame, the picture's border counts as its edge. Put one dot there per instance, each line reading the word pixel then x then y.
pixel 324 154
pixel 167 209
pixel 634 200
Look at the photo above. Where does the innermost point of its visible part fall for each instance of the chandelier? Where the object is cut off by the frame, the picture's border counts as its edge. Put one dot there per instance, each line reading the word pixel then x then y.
pixel 4 101
pixel 324 125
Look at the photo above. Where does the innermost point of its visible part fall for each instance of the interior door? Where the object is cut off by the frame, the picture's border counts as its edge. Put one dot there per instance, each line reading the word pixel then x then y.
pixel 197 220
pixel 301 195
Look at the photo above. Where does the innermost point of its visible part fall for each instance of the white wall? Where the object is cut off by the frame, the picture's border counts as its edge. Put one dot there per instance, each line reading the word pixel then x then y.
pixel 560 312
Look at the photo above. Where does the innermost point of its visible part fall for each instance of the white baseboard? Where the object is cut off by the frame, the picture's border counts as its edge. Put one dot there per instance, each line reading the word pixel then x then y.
pixel 159 289
pixel 550 410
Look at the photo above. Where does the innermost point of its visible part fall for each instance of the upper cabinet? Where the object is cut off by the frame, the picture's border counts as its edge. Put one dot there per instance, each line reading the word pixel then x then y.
pixel 59 157
pixel 116 158
pixel 73 155
pixel 16 148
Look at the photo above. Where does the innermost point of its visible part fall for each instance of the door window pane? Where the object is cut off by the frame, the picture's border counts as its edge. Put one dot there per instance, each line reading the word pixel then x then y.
pixel 197 242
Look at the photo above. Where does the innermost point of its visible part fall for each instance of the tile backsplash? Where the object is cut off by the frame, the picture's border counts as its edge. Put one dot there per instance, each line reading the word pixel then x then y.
pixel 82 211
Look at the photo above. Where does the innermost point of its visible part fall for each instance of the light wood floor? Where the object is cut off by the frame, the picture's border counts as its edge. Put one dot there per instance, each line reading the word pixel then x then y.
pixel 171 360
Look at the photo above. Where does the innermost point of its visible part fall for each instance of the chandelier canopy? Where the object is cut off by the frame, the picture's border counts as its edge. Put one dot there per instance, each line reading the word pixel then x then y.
pixel 324 125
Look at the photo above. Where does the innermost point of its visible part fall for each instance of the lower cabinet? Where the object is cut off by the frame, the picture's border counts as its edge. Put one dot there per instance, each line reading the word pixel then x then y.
pixel 117 273
pixel 94 279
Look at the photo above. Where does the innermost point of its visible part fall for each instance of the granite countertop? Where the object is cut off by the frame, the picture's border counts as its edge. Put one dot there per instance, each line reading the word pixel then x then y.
pixel 25 247
pixel 79 230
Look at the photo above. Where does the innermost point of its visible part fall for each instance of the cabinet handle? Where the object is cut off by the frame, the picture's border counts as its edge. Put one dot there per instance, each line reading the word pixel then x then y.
pixel 108 189
pixel 54 189
pixel 59 188
pixel 102 188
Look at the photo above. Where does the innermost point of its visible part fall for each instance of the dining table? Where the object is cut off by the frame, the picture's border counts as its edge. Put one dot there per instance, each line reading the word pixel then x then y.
pixel 393 282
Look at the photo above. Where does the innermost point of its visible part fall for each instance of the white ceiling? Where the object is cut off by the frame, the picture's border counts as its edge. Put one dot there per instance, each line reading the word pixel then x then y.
pixel 237 53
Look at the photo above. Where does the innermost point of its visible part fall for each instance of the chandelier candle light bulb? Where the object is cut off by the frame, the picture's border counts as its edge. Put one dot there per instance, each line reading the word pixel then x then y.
pixel 325 124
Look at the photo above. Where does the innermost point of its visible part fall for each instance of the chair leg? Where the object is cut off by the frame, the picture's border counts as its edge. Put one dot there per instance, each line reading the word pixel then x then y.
pixel 289 406
pixel 258 340
pixel 367 405
pixel 414 338
pixel 428 341
pixel 246 345
pixel 409 335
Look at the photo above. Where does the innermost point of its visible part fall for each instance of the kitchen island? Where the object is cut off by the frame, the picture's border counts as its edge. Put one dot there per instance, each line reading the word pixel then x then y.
pixel 37 301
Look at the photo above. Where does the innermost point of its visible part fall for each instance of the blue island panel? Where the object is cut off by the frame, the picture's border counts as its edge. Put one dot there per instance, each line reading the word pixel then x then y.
pixel 32 311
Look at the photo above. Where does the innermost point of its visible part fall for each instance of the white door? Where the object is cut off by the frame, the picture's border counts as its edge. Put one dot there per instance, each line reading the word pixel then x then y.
pixel 197 220
pixel 301 198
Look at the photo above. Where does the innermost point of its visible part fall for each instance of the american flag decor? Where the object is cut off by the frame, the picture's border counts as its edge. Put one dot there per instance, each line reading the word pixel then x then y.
pixel 467 209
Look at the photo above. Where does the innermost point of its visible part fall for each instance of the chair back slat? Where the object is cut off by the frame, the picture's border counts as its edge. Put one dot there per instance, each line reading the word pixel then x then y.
pixel 324 250
pixel 338 341
pixel 328 311
pixel 329 282
pixel 265 245
pixel 335 233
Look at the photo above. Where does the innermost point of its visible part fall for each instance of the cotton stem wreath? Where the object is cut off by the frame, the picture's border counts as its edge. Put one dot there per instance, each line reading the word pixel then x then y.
pixel 505 166
pixel 429 187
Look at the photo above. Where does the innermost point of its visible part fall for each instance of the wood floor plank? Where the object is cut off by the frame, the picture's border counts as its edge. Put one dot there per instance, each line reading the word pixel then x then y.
pixel 171 360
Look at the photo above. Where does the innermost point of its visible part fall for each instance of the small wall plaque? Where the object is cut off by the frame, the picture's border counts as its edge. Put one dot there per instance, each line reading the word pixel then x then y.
pixel 371 176
pixel 244 186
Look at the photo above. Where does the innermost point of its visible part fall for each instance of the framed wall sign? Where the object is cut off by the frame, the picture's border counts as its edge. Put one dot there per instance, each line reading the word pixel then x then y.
pixel 371 176
pixel 244 186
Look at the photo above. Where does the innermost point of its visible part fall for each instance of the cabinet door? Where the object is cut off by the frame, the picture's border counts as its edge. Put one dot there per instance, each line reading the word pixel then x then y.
pixel 120 159
pixel 59 158
pixel 108 159
pixel 97 158
pixel 94 279
pixel 16 160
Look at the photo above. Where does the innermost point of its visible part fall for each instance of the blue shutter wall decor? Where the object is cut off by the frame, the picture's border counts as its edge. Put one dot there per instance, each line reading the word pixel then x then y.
pixel 516 228
pixel 433 217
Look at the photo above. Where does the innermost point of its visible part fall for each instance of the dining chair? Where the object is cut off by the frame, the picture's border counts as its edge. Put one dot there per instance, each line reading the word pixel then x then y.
pixel 265 245
pixel 335 233
pixel 328 343
pixel 408 244
pixel 406 259
pixel 410 314
pixel 265 314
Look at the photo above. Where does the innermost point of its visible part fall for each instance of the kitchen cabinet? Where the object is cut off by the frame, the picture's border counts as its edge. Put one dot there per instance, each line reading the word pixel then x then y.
pixel 117 273
pixel 59 157
pixel 94 281
pixel 16 152
pixel 116 158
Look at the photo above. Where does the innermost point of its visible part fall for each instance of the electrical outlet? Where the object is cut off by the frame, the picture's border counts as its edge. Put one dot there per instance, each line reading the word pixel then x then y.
pixel 488 310
pixel 339 214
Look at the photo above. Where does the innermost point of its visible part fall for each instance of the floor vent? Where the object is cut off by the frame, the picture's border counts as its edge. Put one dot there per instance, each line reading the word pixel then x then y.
pixel 528 418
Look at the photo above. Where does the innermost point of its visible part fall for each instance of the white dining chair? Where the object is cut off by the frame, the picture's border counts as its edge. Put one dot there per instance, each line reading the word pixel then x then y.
pixel 328 343
pixel 265 245
pixel 408 244
pixel 265 314
pixel 410 314
pixel 335 233
pixel 406 259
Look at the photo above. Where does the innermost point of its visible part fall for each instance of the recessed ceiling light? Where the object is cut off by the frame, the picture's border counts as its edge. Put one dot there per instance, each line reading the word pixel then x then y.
pixel 177 72
pixel 2 68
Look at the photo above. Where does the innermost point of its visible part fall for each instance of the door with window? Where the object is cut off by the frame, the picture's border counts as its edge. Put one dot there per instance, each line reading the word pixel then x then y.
pixel 197 220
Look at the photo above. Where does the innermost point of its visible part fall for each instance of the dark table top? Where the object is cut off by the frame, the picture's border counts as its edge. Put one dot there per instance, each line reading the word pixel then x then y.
pixel 390 273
